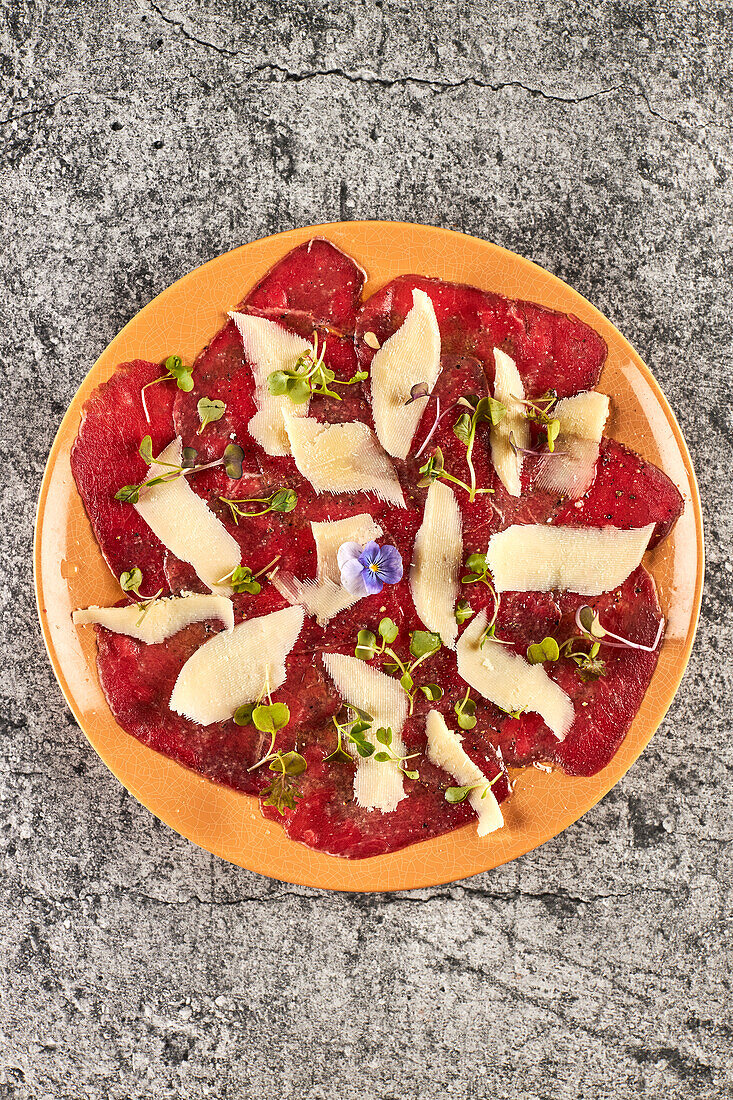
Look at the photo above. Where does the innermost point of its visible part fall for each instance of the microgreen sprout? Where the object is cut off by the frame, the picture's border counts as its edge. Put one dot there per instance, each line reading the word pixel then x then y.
pixel 282 791
pixel 174 370
pixel 478 572
pixel 309 376
pixel 434 469
pixel 460 794
pixel 130 581
pixel 209 411
pixel 354 728
pixel 423 644
pixel 463 611
pixel 266 717
pixel 588 622
pixel 539 409
pixel 587 662
pixel 465 710
pixel 231 460
pixel 242 579
pixel 480 409
pixel 282 500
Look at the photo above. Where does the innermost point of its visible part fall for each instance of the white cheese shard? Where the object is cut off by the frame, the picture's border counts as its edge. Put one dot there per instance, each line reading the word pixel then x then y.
pixel 377 785
pixel 269 347
pixel 161 618
pixel 436 563
pixel 233 669
pixel 410 355
pixel 570 469
pixel 505 678
pixel 331 534
pixel 325 596
pixel 446 751
pixel 509 389
pixel 589 560
pixel 342 458
pixel 186 525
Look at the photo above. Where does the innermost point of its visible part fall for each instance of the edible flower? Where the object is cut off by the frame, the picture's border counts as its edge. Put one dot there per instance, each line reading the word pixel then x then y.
pixel 365 571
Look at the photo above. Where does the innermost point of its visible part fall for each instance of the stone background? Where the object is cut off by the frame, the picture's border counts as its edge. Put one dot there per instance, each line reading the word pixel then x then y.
pixel 139 139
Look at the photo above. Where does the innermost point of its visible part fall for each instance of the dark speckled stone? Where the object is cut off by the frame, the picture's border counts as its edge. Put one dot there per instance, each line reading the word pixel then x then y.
pixel 137 140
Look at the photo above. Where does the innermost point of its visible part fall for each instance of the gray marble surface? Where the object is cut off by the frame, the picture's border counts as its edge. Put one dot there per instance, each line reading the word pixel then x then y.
pixel 137 140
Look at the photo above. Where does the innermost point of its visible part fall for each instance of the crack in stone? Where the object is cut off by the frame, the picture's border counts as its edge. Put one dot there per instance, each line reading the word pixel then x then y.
pixel 437 85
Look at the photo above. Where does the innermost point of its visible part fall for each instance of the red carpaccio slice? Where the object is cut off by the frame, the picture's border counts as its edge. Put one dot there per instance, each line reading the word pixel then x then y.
pixel 552 350
pixel 316 278
pixel 317 289
pixel 105 457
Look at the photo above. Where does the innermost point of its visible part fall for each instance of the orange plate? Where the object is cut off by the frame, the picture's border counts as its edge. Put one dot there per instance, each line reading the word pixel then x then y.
pixel 70 571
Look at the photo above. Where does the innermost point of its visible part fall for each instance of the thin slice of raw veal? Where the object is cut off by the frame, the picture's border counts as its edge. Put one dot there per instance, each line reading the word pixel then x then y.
pixel 446 751
pixel 269 347
pixel 185 524
pixel 589 560
pixel 410 355
pixel 230 670
pixel 160 619
pixel 505 678
pixel 436 563
pixel 378 785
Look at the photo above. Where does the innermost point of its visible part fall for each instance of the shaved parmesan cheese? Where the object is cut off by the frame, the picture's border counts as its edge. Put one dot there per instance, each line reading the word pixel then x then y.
pixel 589 560
pixel 186 525
pixel 506 679
pixel 571 469
pixel 508 389
pixel 446 751
pixel 377 785
pixel 269 347
pixel 161 618
pixel 325 597
pixel 583 415
pixel 410 355
pixel 343 458
pixel 233 669
pixel 571 473
pixel 322 599
pixel 331 534
pixel 436 563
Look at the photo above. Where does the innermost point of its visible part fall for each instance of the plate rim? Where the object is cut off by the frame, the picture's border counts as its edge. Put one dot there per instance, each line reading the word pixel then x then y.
pixel 72 416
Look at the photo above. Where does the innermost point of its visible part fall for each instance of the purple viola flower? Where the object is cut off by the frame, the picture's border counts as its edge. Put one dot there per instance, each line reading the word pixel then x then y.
pixel 364 571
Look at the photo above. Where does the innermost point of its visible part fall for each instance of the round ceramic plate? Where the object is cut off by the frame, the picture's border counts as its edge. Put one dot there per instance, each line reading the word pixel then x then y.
pixel 70 571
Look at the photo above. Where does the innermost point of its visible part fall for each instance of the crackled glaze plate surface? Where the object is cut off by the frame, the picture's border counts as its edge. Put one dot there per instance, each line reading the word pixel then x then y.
pixel 70 571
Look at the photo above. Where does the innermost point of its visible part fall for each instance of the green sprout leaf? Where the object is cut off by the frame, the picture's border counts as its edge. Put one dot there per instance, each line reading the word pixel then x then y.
pixel 423 643
pixel 546 650
pixel 463 611
pixel 432 692
pixel 243 715
pixel 366 645
pixel 131 580
pixel 384 736
pixel 270 718
pixel 128 494
pixel 289 763
pixel 209 411
pixel 241 580
pixel 232 461
pixel 553 430
pixel 388 630
pixel 407 682
pixel 145 450
pixel 459 794
pixel 466 712
pixel 284 500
